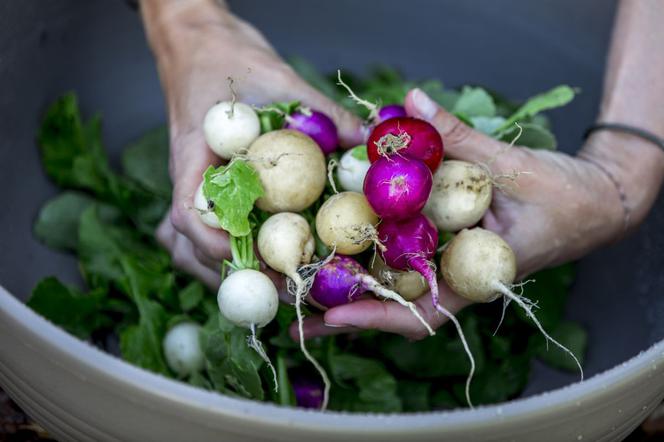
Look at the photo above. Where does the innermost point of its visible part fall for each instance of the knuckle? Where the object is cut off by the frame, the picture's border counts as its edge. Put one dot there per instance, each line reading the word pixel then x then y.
pixel 455 132
pixel 178 217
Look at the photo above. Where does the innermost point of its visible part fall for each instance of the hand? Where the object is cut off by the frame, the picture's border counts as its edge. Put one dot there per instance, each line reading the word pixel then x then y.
pixel 559 210
pixel 198 47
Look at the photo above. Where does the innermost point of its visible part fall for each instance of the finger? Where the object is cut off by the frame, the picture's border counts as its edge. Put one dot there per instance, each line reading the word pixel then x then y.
pixel 189 160
pixel 314 326
pixel 460 141
pixel 184 259
pixel 351 130
pixel 392 317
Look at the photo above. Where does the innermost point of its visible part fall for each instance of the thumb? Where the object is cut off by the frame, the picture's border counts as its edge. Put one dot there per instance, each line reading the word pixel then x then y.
pixel 351 130
pixel 460 141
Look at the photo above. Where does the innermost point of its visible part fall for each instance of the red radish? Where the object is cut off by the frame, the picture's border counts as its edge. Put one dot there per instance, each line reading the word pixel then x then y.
pixel 317 125
pixel 410 245
pixel 342 280
pixel 409 137
pixel 397 187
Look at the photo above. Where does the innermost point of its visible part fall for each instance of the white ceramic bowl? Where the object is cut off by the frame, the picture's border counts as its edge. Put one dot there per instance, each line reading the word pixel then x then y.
pixel 80 393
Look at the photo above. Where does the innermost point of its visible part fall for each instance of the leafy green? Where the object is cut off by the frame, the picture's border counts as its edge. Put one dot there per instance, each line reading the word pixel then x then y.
pixel 233 189
pixel 474 102
pixel 191 296
pixel 58 220
pixel 556 97
pixel 532 135
pixel 273 116
pixel 146 161
pixel 78 313
pixel 360 152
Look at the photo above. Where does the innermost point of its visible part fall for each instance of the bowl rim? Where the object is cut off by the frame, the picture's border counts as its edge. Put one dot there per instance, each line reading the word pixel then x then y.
pixel 12 310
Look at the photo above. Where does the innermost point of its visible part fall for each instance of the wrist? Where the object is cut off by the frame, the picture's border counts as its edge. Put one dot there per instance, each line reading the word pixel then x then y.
pixel 166 20
pixel 633 166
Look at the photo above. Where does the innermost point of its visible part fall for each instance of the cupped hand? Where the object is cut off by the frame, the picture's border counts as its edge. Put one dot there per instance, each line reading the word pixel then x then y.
pixel 197 52
pixel 550 207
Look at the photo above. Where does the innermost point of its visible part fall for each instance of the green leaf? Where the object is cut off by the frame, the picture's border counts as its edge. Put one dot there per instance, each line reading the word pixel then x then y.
pixel 286 395
pixel 572 336
pixel 376 387
pixel 435 356
pixel 141 344
pixel 474 102
pixel 273 116
pixel 78 313
pixel 191 296
pixel 360 152
pixel 487 125
pixel 146 162
pixel 536 137
pixel 414 395
pixel 443 400
pixel 233 189
pixel 556 97
pixel 58 220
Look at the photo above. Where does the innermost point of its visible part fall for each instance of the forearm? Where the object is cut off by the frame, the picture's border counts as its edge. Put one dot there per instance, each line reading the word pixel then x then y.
pixel 633 95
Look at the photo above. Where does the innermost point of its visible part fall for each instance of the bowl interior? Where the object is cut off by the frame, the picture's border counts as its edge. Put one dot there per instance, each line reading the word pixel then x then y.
pixel 98 49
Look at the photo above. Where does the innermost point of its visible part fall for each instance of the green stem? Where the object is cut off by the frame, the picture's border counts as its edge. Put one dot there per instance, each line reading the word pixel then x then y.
pixel 242 252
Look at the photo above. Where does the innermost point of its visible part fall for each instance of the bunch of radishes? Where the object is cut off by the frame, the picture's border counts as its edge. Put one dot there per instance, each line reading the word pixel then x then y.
pixel 387 184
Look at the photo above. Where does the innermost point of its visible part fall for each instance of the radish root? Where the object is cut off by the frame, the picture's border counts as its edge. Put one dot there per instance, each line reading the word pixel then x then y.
pixel 257 346
pixel 426 269
pixel 373 285
pixel 372 107
pixel 330 174
pixel 527 306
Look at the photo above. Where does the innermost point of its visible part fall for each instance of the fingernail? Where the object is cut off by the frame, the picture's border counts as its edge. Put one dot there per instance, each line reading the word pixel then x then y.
pixel 336 325
pixel 425 106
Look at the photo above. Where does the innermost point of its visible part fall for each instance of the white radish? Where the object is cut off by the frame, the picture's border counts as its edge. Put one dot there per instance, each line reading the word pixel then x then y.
pixel 460 196
pixel 182 349
pixel 291 168
pixel 352 170
pixel 230 127
pixel 480 266
pixel 346 222
pixel 285 243
pixel 408 283
pixel 205 209
pixel 249 299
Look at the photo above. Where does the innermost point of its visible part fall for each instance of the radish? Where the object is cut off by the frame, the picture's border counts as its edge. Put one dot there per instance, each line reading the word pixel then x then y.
pixel 353 167
pixel 390 111
pixel 460 196
pixel 285 243
pixel 249 299
pixel 480 266
pixel 410 245
pixel 182 351
pixel 342 280
pixel 230 127
pixel 397 187
pixel 205 208
pixel 408 283
pixel 317 125
pixel 346 223
pixel 409 137
pixel 308 393
pixel 376 114
pixel 291 168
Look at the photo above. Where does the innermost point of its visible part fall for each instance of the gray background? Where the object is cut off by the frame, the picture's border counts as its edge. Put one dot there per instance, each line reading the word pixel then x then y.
pixel 517 47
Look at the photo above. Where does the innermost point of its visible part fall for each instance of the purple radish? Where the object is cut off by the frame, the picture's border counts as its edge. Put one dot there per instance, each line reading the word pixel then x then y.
pixel 376 114
pixel 397 187
pixel 317 125
pixel 390 111
pixel 308 393
pixel 342 280
pixel 411 245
